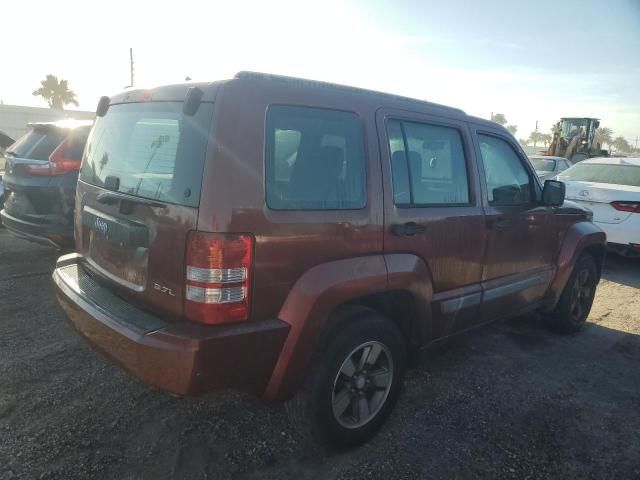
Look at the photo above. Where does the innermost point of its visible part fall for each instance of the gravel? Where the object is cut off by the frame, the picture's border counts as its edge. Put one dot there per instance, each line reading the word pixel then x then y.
pixel 507 401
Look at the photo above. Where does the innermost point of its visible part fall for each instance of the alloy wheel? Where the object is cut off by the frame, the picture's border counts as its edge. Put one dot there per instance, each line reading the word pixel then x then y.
pixel 581 295
pixel 362 384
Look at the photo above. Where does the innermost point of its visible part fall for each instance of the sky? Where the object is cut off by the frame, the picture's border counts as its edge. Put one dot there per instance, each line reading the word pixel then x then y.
pixel 532 61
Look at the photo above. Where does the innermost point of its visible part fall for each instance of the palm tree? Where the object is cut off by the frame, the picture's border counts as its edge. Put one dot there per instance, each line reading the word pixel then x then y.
pixel 56 92
pixel 605 135
pixel 499 118
pixel 523 141
pixel 512 128
pixel 546 138
pixel 621 144
pixel 535 137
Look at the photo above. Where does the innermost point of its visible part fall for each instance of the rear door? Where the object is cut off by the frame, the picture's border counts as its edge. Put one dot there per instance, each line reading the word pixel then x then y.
pixel 138 197
pixel 434 211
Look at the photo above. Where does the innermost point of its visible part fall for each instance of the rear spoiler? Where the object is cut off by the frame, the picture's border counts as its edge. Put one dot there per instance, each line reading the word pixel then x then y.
pixel 103 106
pixel 192 101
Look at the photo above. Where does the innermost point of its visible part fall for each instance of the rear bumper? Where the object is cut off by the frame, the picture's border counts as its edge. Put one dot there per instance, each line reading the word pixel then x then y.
pixel 182 357
pixel 623 233
pixel 44 233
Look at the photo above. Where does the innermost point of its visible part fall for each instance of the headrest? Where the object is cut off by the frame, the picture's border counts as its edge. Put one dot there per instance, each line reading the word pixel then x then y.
pixel 332 158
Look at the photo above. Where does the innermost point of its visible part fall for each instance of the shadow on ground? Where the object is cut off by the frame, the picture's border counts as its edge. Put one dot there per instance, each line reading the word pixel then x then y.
pixel 625 271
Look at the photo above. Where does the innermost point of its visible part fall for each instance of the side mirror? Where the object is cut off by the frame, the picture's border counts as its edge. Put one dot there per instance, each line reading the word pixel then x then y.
pixel 553 193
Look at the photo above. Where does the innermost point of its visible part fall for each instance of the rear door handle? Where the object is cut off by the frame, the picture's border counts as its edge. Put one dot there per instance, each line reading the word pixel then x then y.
pixel 408 229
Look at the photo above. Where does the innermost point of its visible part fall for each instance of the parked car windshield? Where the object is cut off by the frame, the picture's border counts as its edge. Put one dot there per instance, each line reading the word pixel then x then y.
pixel 153 149
pixel 543 164
pixel 603 173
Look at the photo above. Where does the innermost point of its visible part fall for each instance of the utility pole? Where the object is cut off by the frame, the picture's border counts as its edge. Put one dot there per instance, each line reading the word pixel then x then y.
pixel 131 64
pixel 536 126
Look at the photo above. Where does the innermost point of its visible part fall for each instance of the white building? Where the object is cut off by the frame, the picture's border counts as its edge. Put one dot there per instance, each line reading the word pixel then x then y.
pixel 14 118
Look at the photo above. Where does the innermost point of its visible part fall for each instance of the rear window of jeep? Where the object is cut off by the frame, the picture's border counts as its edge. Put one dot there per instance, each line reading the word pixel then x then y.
pixel 153 149
pixel 314 159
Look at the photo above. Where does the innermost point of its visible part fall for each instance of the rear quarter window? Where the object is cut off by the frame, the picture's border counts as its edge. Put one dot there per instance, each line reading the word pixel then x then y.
pixel 315 159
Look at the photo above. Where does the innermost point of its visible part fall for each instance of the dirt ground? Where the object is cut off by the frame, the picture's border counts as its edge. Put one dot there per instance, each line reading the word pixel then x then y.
pixel 507 401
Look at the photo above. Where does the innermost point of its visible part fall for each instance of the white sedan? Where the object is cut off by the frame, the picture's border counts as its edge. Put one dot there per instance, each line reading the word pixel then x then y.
pixel 610 187
pixel 548 167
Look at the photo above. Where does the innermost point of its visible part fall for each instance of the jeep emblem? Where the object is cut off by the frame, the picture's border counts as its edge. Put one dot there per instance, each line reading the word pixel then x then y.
pixel 101 226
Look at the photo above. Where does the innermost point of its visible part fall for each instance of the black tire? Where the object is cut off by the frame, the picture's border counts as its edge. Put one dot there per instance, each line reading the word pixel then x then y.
pixel 311 411
pixel 577 297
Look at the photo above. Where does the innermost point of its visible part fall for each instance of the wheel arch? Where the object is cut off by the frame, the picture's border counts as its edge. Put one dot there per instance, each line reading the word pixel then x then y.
pixel 581 237
pixel 400 307
pixel 331 293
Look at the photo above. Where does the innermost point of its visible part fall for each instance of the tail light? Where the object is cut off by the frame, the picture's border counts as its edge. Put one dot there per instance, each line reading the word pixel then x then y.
pixel 59 162
pixel 632 207
pixel 218 277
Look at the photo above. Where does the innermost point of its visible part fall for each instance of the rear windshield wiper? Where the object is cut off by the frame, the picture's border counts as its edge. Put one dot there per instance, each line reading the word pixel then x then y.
pixel 110 198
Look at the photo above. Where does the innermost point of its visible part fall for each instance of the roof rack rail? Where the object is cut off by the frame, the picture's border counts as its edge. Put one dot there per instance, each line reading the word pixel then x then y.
pixel 316 83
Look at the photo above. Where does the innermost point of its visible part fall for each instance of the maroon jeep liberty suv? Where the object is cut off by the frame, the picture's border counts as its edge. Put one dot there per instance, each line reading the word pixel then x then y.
pixel 303 241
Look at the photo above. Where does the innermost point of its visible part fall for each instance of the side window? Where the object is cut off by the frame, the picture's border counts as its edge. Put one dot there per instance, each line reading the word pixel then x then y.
pixel 428 166
pixel 508 182
pixel 314 159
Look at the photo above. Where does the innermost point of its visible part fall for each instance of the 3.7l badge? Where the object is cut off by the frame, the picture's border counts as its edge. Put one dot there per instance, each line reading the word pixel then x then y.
pixel 163 289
